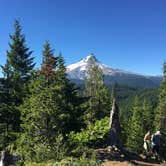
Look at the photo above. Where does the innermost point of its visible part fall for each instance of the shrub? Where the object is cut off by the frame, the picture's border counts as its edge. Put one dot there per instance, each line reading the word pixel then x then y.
pixel 37 152
pixel 82 161
pixel 93 135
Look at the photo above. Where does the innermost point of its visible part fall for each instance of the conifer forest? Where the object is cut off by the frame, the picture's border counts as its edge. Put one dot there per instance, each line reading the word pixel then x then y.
pixel 46 119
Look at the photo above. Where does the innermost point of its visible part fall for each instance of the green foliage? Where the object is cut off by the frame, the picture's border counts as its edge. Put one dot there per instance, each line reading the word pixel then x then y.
pixel 19 55
pixel 14 85
pixel 148 99
pixel 49 63
pixel 52 107
pixel 99 102
pixel 49 121
pixel 40 152
pixel 164 163
pixel 160 118
pixel 92 135
pixel 147 116
pixel 81 161
pixel 141 121
pixel 136 133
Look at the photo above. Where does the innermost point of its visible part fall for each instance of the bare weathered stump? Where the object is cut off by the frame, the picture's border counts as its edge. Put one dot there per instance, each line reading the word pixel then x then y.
pixel 7 159
pixel 114 133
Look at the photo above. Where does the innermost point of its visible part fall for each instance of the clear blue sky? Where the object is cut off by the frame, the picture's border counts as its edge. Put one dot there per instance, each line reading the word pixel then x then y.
pixel 125 34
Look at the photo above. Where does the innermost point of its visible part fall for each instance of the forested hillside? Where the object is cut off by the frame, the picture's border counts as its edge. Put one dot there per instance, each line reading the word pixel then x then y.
pixel 45 118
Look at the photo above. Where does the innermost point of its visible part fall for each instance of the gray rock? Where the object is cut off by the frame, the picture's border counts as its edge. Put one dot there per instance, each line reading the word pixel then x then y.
pixel 114 133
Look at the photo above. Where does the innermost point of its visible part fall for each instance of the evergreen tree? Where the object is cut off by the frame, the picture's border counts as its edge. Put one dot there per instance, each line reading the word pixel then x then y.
pixel 136 133
pixel 62 76
pixel 18 66
pixel 19 56
pixel 16 76
pixel 99 102
pixel 160 118
pixel 49 62
pixel 52 108
pixel 147 115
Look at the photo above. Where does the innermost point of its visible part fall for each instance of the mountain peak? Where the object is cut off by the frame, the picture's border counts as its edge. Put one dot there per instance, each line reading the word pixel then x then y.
pixel 79 71
pixel 90 58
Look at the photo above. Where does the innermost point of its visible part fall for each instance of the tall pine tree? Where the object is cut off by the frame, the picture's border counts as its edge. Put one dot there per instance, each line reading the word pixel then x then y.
pixel 160 119
pixel 136 133
pixel 16 76
pixel 99 102
pixel 19 56
pixel 52 108
pixel 147 115
pixel 49 62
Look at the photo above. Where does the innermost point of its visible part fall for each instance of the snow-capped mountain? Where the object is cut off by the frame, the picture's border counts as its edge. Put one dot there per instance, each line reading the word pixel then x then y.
pixel 78 72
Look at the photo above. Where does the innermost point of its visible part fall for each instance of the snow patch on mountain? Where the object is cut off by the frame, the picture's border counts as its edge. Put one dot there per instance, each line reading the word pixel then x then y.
pixel 79 70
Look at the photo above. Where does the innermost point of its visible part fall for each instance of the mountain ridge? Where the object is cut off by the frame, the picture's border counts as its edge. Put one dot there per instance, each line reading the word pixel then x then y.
pixel 77 72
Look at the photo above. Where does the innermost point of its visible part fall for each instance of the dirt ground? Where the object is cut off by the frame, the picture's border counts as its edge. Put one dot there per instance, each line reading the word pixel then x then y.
pixel 128 163
pixel 116 163
pixel 116 158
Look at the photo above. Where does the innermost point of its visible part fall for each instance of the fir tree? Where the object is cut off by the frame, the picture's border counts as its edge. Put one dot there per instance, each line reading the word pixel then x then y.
pixel 99 102
pixel 49 62
pixel 18 66
pixel 160 118
pixel 136 134
pixel 19 56
pixel 16 76
pixel 52 108
pixel 147 115
pixel 62 76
